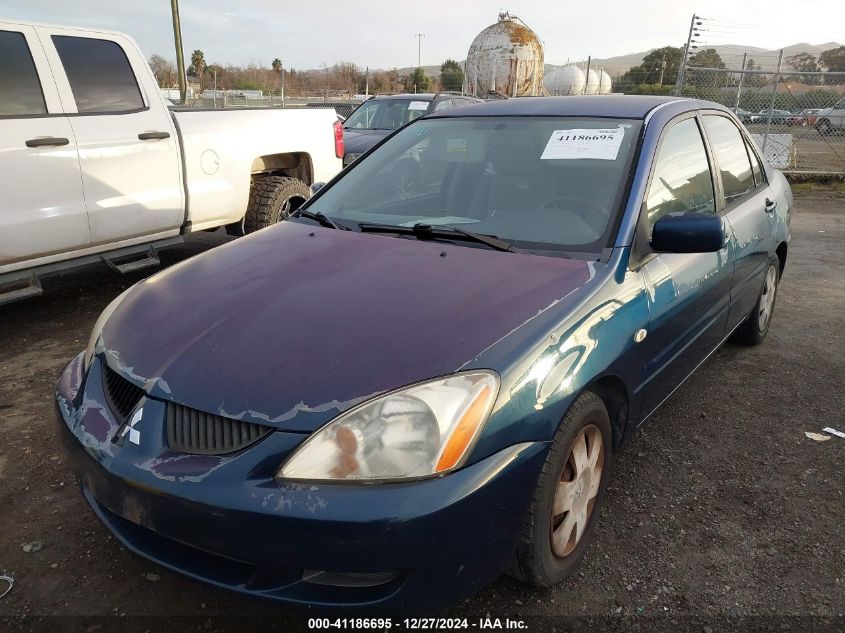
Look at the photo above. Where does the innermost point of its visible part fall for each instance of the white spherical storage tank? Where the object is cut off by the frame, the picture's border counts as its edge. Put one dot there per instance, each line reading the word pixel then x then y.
pixel 506 58
pixel 566 80
pixel 605 82
pixel 593 82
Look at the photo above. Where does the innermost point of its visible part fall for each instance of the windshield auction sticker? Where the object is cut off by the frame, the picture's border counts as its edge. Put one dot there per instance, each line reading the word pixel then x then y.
pixel 574 144
pixel 418 105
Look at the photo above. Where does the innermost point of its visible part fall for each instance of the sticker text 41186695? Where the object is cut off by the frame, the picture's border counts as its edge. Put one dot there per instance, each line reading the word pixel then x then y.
pixel 584 143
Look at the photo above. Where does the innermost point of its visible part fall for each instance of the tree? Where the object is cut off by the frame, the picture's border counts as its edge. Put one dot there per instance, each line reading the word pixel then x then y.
pixel 753 79
pixel 833 60
pixel 276 65
pixel 164 71
pixel 198 64
pixel 417 81
pixel 805 63
pixel 451 75
pixel 666 59
pixel 707 58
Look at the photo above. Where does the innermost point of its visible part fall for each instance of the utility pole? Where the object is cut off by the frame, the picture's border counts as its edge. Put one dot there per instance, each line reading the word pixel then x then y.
pixel 682 68
pixel 180 56
pixel 367 82
pixel 419 37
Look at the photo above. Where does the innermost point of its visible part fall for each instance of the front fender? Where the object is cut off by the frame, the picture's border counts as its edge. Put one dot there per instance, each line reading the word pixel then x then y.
pixel 582 342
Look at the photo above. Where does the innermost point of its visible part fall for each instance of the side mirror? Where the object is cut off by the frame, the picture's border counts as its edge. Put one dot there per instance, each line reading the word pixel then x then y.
pixel 316 187
pixel 688 232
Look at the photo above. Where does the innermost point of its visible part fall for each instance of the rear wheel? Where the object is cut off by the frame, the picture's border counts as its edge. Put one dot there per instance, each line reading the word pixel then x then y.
pixel 272 199
pixel 756 325
pixel 559 524
pixel 824 127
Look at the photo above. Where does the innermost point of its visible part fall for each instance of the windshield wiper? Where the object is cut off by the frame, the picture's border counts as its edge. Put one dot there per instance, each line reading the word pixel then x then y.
pixel 433 231
pixel 320 218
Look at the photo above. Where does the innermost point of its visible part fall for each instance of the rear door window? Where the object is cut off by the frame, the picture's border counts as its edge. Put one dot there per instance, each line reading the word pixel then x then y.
pixel 100 75
pixel 756 165
pixel 20 88
pixel 682 180
pixel 731 156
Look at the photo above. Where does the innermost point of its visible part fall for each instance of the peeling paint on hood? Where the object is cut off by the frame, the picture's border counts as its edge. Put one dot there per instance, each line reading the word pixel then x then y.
pixel 294 324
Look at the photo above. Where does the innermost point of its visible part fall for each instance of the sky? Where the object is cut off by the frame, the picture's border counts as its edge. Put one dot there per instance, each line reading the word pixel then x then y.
pixel 380 34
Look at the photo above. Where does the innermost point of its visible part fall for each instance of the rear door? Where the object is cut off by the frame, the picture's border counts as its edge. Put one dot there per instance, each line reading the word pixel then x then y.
pixel 42 211
pixel 128 150
pixel 689 293
pixel 749 207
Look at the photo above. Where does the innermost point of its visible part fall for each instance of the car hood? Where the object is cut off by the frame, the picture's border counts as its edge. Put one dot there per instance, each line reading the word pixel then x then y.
pixel 359 141
pixel 295 323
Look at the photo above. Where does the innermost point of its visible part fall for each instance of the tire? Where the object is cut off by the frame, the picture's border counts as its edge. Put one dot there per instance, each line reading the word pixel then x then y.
pixel 755 327
pixel 271 199
pixel 824 127
pixel 538 561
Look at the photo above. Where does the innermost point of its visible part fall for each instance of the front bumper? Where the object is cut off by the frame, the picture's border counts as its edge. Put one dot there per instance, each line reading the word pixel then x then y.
pixel 226 521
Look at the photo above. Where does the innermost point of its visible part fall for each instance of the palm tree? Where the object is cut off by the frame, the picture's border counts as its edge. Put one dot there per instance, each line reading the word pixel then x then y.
pixel 198 64
pixel 276 65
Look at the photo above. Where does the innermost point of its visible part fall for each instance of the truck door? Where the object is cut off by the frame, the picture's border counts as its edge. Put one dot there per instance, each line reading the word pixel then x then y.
pixel 42 211
pixel 128 150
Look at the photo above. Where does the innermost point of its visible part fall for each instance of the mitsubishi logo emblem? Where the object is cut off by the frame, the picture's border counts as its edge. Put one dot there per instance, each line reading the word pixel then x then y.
pixel 130 430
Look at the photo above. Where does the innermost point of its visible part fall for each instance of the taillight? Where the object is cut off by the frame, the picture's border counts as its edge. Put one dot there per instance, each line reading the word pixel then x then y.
pixel 338 139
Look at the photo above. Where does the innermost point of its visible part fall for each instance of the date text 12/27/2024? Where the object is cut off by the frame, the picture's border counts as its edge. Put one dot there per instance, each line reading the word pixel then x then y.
pixel 416 624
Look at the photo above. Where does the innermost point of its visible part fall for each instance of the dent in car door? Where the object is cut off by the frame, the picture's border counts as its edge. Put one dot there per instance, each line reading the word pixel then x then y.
pixel 128 151
pixel 751 217
pixel 689 293
pixel 42 210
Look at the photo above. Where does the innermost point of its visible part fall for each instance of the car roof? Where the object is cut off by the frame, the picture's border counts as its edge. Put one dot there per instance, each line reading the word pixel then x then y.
pixel 422 96
pixel 610 106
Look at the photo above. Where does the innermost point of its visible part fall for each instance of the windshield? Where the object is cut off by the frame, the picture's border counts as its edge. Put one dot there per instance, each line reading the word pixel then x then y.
pixel 544 184
pixel 385 114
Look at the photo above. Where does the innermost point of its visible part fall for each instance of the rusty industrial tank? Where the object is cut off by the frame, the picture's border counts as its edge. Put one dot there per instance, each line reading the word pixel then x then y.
pixel 505 59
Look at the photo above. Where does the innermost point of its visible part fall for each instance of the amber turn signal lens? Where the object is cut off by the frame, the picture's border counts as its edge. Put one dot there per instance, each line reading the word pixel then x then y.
pixel 465 430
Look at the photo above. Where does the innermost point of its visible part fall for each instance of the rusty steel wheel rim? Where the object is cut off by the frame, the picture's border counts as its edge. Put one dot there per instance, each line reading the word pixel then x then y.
pixel 577 490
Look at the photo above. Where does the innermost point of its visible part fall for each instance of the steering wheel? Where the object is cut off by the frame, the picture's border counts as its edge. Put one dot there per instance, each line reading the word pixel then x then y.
pixel 591 212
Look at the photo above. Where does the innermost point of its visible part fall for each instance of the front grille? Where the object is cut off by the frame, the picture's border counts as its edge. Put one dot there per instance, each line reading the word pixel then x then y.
pixel 192 431
pixel 121 394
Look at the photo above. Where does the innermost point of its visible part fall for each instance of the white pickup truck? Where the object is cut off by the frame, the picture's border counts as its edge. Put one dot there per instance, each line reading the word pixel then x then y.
pixel 94 166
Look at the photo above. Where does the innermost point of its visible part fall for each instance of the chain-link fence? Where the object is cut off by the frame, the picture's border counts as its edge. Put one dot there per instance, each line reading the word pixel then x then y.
pixel 796 118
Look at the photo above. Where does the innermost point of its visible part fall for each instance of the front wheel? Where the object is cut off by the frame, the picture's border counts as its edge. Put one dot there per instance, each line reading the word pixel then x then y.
pixel 753 331
pixel 560 521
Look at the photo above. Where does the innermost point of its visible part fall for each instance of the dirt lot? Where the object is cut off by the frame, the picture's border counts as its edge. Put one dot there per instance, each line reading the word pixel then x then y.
pixel 721 508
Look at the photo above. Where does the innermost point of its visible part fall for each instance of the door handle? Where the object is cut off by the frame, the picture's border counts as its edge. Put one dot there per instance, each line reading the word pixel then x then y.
pixel 46 141
pixel 153 136
pixel 771 205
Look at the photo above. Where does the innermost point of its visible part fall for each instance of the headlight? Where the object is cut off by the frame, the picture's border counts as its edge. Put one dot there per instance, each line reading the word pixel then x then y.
pixel 419 431
pixel 350 158
pixel 98 328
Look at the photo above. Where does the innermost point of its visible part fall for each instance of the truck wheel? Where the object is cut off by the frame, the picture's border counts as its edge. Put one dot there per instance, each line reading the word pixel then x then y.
pixel 271 199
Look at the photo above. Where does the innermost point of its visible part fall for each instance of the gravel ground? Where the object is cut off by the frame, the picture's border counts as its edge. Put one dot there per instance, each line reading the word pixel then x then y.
pixel 720 510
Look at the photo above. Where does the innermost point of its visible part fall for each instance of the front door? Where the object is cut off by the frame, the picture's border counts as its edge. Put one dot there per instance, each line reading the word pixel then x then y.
pixel 132 181
pixel 42 210
pixel 689 293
